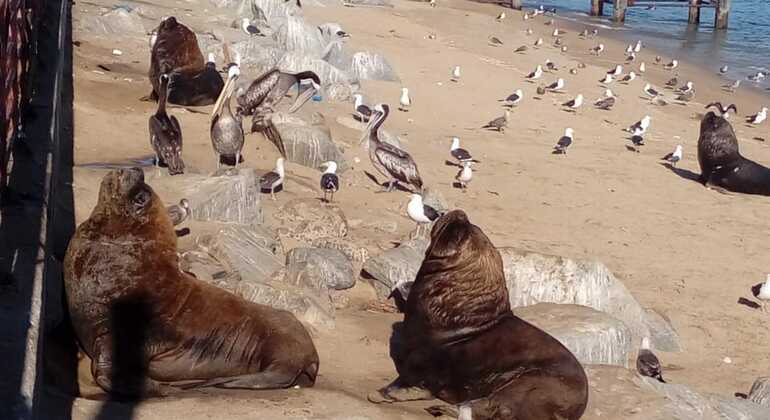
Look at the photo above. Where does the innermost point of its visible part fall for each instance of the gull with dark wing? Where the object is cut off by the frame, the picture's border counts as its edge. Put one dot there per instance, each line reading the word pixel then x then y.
pixel 272 180
pixel 330 182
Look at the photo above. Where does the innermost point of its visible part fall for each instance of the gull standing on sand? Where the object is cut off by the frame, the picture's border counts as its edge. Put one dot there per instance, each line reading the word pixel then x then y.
pixel 658 59
pixel 674 156
pixel 457 152
pixel 629 49
pixel 495 41
pixel 330 182
pixel 672 65
pixel 607 102
pixel 758 117
pixel 687 87
pixel 637 138
pixel 607 79
pixel 558 32
pixel 499 123
pixel 564 142
pixel 362 110
pixel 273 179
pixel 761 291
pixel 538 73
pixel 405 100
pixel 529 31
pixel 539 42
pixel 629 77
pixel 732 87
pixel 642 124
pixel 652 93
pixel 550 65
pixel 672 82
pixel 456 74
pixel 574 104
pixel 617 71
pixel 465 175
pixel 638 47
pixel 419 212
pixel 724 111
pixel 556 86
pixel 631 58
pixel 597 49
pixel 521 49
pixel 513 99
pixel 647 364
pixel 594 32
pixel 642 68
pixel 501 16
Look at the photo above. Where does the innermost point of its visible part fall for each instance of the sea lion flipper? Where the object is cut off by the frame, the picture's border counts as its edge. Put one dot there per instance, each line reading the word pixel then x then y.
pixel 395 392
pixel 129 383
pixel 270 379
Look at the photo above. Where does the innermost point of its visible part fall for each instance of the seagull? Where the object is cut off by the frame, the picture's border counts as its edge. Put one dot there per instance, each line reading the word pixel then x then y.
pixel 686 96
pixel 539 42
pixel 674 156
pixel 362 110
pixel 631 58
pixel 629 77
pixel 564 48
pixel 638 47
pixel 178 213
pixel 405 100
pixel 761 291
pixel 672 65
pixel 564 142
pixel 637 138
pixel 530 31
pixel 594 32
pixel 725 111
pixel 584 33
pixel 457 152
pixel 514 98
pixel 574 103
pixel 758 117
pixel 558 32
pixel 499 123
pixel 629 49
pixel 330 182
pixel 556 86
pixel 642 67
pixel 617 71
pixel 273 179
pixel 757 77
pixel 419 212
pixel 521 49
pixel 642 124
pixel 647 364
pixel 495 40
pixel 557 42
pixel 465 175
pixel 658 59
pixel 687 87
pixel 432 3
pixel 597 49
pixel 550 65
pixel 573 71
pixel 249 28
pixel 723 69
pixel 732 87
pixel 456 74
pixel 607 102
pixel 501 16
pixel 672 82
pixel 536 74
pixel 607 79
pixel 652 93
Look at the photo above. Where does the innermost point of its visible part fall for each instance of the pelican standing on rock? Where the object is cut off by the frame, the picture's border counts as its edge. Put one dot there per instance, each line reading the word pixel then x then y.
pixel 330 182
pixel 273 179
pixel 392 162
pixel 226 129
pixel 166 134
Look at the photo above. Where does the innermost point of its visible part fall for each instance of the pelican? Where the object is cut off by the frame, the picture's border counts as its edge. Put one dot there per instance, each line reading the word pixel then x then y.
pixel 166 134
pixel 267 90
pixel 273 179
pixel 330 182
pixel 226 129
pixel 392 162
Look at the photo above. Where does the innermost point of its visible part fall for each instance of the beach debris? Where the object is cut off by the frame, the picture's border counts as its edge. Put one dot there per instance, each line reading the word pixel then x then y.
pixel 495 40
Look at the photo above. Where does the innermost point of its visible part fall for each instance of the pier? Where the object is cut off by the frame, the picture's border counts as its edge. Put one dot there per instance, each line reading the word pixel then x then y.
pixel 721 15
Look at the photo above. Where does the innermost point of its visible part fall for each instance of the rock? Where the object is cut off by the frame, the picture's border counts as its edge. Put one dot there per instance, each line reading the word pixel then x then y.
pixel 534 278
pixel 296 36
pixel 319 268
pixel 352 252
pixel 297 61
pixel 340 92
pixel 366 65
pixel 122 20
pixel 370 3
pixel 594 337
pixel 760 392
pixel 260 52
pixel 277 9
pixel 230 197
pixel 248 250
pixel 307 219
pixel 687 404
pixel 662 333
pixel 395 266
pixel 309 144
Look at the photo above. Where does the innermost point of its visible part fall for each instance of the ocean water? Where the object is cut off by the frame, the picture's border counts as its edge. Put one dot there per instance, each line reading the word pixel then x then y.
pixel 744 46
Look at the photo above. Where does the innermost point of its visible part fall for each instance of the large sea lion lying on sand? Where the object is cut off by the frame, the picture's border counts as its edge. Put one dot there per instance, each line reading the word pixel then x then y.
pixel 721 162
pixel 176 53
pixel 461 343
pixel 149 327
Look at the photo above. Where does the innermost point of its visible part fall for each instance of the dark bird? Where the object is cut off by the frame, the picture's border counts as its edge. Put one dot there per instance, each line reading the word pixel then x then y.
pixel 391 161
pixel 273 180
pixel 178 213
pixel 495 41
pixel 420 212
pixel 514 98
pixel 724 111
pixel 166 134
pixel 723 69
pixel 499 123
pixel 362 110
pixel 637 138
pixel 761 291
pixel 267 90
pixel 674 156
pixel 330 182
pixel 647 364
pixel 226 129
pixel 564 142
pixel 672 82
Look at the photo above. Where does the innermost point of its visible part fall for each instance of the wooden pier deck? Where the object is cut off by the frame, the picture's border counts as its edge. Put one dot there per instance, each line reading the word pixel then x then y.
pixel 721 16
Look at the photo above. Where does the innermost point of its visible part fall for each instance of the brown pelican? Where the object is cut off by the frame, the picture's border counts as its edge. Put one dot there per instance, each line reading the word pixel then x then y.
pixel 273 179
pixel 165 134
pixel 268 89
pixel 226 129
pixel 330 182
pixel 392 162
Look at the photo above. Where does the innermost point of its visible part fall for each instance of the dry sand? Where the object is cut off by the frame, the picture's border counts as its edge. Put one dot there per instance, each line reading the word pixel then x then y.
pixel 683 250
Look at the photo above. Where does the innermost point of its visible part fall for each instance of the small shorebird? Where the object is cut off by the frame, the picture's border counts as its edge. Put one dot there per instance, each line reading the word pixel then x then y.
pixel 273 179
pixel 674 156
pixel 574 104
pixel 405 101
pixel 647 364
pixel 419 212
pixel 564 142
pixel 330 182
pixel 465 175
pixel 499 123
pixel 758 117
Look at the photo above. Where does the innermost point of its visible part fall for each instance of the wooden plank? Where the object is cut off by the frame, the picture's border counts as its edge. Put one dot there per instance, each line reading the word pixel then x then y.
pixel 619 14
pixel 694 16
pixel 597 7
pixel 722 14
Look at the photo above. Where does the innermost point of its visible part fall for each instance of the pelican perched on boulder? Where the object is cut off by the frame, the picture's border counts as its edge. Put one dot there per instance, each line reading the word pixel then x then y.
pixel 226 128
pixel 392 162
pixel 166 134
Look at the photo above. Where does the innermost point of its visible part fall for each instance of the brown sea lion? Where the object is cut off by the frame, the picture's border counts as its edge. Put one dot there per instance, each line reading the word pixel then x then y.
pixel 149 327
pixel 460 341
pixel 721 162
pixel 176 52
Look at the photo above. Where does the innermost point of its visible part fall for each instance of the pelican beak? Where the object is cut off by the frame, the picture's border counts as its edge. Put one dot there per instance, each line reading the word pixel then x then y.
pixel 227 90
pixel 375 116
pixel 304 97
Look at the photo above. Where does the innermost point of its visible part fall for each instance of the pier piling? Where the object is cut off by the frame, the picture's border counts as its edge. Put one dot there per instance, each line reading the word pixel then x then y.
pixel 722 9
pixel 516 4
pixel 619 14
pixel 722 13
pixel 597 7
pixel 694 17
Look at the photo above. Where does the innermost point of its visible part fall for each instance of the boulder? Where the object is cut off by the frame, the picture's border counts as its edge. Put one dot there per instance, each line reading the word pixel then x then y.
pixel 297 36
pixel 298 61
pixel 353 253
pixel 307 219
pixel 319 268
pixel 233 196
pixel 395 267
pixel 247 250
pixel 662 333
pixel 277 9
pixel 309 145
pixel 760 392
pixel 367 3
pixel 534 278
pixel 367 65
pixel 686 404
pixel 594 337
pixel 121 20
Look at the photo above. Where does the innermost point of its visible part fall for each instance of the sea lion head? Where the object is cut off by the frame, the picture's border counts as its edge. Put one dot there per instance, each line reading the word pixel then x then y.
pixel 717 143
pixel 460 286
pixel 713 122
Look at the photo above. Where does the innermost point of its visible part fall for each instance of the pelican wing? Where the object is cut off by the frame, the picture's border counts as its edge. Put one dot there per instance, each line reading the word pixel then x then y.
pixel 258 91
pixel 398 163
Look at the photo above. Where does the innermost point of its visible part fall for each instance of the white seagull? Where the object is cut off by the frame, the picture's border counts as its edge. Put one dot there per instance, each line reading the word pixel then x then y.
pixel 457 152
pixel 638 47
pixel 642 68
pixel 607 79
pixel 362 110
pixel 686 88
pixel 761 291
pixel 539 42
pixel 465 175
pixel 514 98
pixel 617 71
pixel 273 179
pixel 330 182
pixel 758 117
pixel 405 100
pixel 642 124
pixel 674 156
pixel 538 73
pixel 672 65
pixel 501 16
pixel 419 212
pixel 556 86
pixel 574 103
pixel 650 91
pixel 597 49
pixel 456 74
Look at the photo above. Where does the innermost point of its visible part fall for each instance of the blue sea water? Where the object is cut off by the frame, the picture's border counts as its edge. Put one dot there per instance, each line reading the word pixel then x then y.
pixel 744 46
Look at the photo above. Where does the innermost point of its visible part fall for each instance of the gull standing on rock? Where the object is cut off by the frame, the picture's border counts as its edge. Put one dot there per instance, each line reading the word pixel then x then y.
pixel 499 123
pixel 761 291
pixel 405 100
pixel 758 117
pixel 456 74
pixel 362 110
pixel 647 364
pixel 538 73
pixel 457 152
pixel 607 102
pixel 564 142
pixel 394 163
pixel 272 180
pixel 419 212
pixel 330 182
pixel 465 175
pixel 674 156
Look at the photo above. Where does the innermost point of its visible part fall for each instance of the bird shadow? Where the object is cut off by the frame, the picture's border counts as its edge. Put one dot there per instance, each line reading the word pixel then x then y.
pixel 450 163
pixel 683 173
pixel 632 148
pixel 398 186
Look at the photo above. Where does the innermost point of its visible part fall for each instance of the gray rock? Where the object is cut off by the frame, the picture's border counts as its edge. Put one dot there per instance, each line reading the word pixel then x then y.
pixel 593 337
pixel 395 266
pixel 366 65
pixel 248 250
pixel 760 391
pixel 534 278
pixel 352 252
pixel 277 9
pixel 122 20
pixel 232 196
pixel 307 219
pixel 319 268
pixel 662 333
pixel 308 144
pixel 297 61
pixel 339 92
pixel 297 36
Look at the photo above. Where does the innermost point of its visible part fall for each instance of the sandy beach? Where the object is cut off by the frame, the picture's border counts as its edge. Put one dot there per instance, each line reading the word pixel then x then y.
pixel 683 250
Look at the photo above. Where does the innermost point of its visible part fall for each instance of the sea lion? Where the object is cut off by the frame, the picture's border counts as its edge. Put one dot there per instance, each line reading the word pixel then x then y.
pixel 721 163
pixel 176 52
pixel 150 328
pixel 461 342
